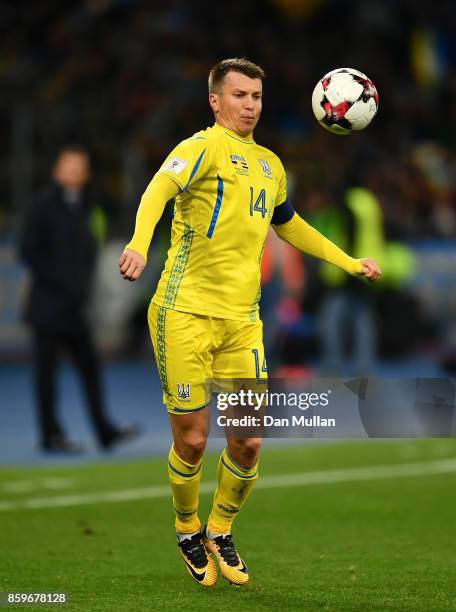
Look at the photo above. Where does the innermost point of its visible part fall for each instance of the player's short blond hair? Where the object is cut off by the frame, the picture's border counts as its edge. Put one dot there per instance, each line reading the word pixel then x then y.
pixel 235 64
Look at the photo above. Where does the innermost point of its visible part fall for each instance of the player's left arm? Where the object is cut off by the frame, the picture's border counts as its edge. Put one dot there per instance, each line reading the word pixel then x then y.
pixel 289 226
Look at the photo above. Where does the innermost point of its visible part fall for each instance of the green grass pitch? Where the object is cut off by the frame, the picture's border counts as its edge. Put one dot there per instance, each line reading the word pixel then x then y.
pixel 387 543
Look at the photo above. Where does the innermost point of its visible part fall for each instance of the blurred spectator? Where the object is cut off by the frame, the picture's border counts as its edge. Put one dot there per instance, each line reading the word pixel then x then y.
pixel 352 314
pixel 59 248
pixel 348 325
pixel 282 276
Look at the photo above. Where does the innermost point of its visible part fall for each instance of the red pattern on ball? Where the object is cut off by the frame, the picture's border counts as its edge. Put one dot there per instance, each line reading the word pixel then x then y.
pixel 338 111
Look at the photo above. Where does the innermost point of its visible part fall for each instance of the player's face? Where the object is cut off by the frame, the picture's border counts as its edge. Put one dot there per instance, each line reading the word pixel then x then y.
pixel 237 105
pixel 72 170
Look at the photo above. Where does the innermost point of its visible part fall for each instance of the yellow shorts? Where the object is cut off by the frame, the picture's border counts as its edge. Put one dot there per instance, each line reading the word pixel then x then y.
pixel 190 349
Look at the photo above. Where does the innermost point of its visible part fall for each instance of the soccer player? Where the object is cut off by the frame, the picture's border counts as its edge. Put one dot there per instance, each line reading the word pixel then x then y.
pixel 203 318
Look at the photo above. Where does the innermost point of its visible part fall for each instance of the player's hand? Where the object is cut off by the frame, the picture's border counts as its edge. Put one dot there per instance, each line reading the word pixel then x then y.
pixel 131 265
pixel 370 270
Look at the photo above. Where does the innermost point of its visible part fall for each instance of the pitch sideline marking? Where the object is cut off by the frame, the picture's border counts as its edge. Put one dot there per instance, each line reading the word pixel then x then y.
pixel 26 486
pixel 441 466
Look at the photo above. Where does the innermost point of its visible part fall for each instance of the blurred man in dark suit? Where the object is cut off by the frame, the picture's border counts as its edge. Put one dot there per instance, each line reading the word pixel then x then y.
pixel 59 248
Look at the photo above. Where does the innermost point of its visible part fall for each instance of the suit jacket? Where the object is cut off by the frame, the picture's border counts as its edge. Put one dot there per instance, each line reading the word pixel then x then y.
pixel 59 249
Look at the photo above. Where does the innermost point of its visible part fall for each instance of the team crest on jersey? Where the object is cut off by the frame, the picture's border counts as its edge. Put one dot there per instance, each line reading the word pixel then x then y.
pixel 183 391
pixel 241 166
pixel 266 168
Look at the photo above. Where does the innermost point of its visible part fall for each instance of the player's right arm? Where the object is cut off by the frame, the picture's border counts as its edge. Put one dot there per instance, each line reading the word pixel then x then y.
pixel 183 166
pixel 160 190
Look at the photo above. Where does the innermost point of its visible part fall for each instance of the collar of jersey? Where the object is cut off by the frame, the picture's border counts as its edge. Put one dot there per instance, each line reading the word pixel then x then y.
pixel 220 128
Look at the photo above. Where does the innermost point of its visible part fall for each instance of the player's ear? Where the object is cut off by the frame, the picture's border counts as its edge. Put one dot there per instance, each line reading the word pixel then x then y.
pixel 213 102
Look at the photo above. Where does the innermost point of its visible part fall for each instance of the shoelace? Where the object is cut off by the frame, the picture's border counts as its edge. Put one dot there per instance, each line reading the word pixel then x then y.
pixel 195 551
pixel 227 550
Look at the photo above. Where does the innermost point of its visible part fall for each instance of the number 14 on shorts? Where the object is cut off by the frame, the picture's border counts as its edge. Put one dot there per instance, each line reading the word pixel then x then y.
pixel 264 367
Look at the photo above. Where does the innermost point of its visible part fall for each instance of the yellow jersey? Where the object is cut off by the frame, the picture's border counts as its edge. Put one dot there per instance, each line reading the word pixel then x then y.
pixel 229 187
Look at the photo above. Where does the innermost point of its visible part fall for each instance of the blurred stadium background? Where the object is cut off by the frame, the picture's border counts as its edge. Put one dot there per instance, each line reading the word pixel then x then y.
pixel 128 80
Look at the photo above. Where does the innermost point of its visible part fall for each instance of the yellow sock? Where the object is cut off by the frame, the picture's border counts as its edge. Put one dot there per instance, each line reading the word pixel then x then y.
pixel 185 479
pixel 234 485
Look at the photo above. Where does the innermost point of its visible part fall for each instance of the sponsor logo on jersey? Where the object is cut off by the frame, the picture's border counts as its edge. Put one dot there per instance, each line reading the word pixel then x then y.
pixel 240 164
pixel 266 168
pixel 176 165
pixel 183 391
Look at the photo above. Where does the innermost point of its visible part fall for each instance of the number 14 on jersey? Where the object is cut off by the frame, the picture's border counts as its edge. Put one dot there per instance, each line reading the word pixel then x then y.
pixel 258 204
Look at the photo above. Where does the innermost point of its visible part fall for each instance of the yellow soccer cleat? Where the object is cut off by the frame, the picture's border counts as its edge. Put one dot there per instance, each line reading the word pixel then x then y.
pixel 231 565
pixel 199 564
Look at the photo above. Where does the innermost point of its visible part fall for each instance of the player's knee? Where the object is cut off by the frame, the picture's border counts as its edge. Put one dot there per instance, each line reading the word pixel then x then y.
pixel 246 450
pixel 191 446
pixel 252 448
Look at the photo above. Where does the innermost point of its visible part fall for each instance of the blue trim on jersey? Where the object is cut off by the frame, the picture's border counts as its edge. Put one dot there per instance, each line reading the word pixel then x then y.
pixel 218 203
pixel 195 169
pixel 283 213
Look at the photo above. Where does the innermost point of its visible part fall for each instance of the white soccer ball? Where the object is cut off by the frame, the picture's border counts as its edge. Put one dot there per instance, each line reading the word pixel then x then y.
pixel 344 100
